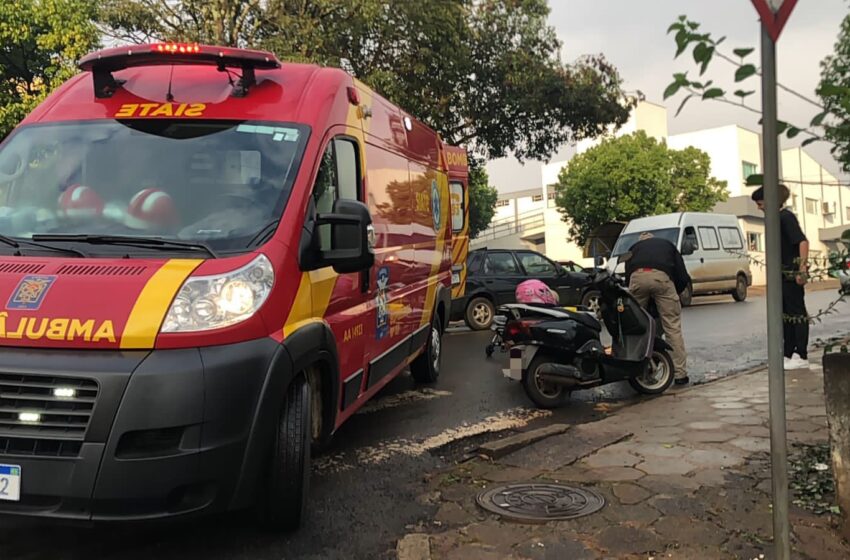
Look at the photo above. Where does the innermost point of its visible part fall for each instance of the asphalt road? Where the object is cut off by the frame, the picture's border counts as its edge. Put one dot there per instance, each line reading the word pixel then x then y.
pixel 367 486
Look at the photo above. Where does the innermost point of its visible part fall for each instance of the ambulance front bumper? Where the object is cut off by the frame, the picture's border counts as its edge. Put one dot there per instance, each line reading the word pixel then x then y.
pixel 146 435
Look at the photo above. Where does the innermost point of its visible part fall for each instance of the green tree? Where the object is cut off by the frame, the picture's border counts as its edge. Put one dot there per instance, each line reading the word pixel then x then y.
pixel 834 91
pixel 634 176
pixel 40 42
pixel 486 74
pixel 482 199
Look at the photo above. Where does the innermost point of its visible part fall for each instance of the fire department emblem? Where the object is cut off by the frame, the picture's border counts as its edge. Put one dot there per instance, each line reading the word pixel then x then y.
pixel 30 292
pixel 436 204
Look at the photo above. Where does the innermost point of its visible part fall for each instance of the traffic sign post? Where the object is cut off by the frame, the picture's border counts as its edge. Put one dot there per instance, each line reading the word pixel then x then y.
pixel 774 14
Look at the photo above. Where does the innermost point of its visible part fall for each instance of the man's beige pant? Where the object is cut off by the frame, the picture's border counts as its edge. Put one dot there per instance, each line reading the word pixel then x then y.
pixel 656 285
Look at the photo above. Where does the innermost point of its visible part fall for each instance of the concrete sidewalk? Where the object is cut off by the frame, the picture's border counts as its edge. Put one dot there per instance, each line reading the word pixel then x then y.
pixel 684 475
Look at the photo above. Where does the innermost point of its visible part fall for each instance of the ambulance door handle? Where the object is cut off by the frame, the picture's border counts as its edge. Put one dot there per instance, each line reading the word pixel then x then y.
pixel 364 281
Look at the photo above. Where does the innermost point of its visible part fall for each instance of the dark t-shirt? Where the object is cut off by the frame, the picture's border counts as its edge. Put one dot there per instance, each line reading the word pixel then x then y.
pixel 791 236
pixel 659 254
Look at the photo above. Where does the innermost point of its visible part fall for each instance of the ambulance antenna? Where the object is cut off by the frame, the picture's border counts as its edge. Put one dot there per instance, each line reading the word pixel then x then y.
pixel 169 96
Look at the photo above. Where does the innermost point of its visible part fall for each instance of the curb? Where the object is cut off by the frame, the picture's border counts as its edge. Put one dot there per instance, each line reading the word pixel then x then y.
pixel 499 448
pixel 415 546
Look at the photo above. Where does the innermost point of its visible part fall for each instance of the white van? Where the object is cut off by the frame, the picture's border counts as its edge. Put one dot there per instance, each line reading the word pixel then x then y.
pixel 712 246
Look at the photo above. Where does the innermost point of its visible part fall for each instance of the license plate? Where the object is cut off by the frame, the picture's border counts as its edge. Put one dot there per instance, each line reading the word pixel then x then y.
pixel 10 482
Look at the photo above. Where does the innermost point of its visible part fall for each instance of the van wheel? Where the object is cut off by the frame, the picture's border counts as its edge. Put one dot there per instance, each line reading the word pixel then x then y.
pixel 282 505
pixel 426 368
pixel 480 313
pixel 687 297
pixel 542 393
pixel 740 293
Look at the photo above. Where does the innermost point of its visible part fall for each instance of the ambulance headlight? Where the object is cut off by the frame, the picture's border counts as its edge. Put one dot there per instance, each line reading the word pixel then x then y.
pixel 212 302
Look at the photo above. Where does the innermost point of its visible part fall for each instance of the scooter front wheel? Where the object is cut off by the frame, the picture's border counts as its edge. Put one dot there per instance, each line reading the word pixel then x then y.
pixel 658 376
pixel 543 393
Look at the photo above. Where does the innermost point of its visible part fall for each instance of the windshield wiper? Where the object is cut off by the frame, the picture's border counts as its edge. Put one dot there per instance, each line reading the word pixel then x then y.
pixel 129 240
pixel 16 243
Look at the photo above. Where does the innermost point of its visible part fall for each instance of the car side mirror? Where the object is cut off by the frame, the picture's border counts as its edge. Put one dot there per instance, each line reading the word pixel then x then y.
pixel 352 238
pixel 688 247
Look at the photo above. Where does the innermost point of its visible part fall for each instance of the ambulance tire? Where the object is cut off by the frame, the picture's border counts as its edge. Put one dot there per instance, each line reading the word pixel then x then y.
pixel 426 368
pixel 282 506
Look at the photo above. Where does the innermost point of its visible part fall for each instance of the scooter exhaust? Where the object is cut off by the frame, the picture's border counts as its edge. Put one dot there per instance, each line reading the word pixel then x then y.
pixel 568 376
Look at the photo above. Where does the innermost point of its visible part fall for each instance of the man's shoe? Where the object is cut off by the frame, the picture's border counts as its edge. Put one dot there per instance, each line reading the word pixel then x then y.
pixel 682 380
pixel 786 363
pixel 797 362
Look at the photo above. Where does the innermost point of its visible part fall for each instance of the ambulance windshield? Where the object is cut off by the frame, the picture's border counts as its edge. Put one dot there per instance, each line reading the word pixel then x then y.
pixel 216 182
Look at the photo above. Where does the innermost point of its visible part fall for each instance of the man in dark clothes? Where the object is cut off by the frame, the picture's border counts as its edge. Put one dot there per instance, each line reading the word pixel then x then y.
pixel 795 258
pixel 655 271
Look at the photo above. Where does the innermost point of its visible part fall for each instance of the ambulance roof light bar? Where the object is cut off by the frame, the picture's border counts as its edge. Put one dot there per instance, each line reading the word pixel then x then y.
pixel 103 63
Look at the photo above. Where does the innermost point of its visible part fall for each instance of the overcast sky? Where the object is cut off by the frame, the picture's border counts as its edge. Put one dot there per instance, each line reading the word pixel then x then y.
pixel 632 35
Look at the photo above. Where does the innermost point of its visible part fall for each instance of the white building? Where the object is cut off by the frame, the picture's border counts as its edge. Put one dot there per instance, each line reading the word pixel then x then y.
pixel 530 219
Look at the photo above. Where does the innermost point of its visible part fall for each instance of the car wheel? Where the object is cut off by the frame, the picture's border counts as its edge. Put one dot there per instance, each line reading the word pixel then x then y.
pixel 740 293
pixel 480 313
pixel 590 300
pixel 426 368
pixel 687 297
pixel 282 505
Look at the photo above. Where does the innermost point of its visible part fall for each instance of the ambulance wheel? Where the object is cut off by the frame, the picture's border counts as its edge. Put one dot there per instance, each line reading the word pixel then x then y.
pixel 426 368
pixel 658 375
pixel 282 505
pixel 542 393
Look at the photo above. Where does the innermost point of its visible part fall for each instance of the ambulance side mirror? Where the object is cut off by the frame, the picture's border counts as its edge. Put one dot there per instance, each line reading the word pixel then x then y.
pixel 350 225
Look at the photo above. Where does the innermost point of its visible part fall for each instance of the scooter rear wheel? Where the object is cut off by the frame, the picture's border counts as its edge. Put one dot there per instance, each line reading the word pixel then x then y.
pixel 658 376
pixel 542 393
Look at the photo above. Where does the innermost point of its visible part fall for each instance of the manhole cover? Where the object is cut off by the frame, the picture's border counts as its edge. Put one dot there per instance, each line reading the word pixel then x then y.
pixel 540 502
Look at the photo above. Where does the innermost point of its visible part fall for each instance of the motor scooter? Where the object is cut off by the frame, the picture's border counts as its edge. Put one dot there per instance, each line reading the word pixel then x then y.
pixel 554 351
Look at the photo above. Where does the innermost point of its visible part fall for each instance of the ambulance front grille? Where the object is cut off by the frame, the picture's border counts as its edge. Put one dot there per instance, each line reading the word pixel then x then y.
pixel 44 415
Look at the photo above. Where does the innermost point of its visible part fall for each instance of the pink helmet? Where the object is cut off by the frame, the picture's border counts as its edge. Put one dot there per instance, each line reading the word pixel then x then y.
pixel 535 291
pixel 151 209
pixel 79 201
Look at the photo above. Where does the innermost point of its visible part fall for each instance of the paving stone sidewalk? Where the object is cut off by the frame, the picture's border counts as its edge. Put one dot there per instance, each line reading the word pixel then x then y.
pixel 685 475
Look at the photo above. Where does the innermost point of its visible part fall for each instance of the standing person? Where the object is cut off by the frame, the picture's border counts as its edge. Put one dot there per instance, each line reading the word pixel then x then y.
pixel 655 271
pixel 795 259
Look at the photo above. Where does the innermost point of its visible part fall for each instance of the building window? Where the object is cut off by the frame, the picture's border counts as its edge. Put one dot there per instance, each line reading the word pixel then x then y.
pixel 537 198
pixel 552 195
pixel 812 206
pixel 502 203
pixel 754 242
pixel 793 206
pixel 749 169
pixel 847 212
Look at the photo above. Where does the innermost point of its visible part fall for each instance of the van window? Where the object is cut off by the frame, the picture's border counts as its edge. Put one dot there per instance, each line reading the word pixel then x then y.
pixel 217 182
pixel 731 238
pixel 458 209
pixel 624 242
pixel 337 177
pixel 708 236
pixel 690 237
pixel 500 263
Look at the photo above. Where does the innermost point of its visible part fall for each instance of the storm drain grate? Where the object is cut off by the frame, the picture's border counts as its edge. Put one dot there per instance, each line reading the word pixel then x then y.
pixel 531 501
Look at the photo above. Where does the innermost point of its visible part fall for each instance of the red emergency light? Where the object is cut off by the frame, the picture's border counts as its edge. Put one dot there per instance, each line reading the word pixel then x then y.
pixel 103 63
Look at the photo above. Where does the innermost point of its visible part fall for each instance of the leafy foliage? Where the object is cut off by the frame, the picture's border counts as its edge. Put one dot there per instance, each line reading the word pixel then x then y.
pixel 482 199
pixel 486 73
pixel 483 73
pixel 834 91
pixel 634 176
pixel 40 41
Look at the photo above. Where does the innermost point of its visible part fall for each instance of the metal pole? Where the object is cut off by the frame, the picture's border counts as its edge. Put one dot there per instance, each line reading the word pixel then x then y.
pixel 776 373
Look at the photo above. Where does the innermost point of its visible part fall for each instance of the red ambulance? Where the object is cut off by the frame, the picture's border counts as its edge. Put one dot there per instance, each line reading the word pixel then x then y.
pixel 209 260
